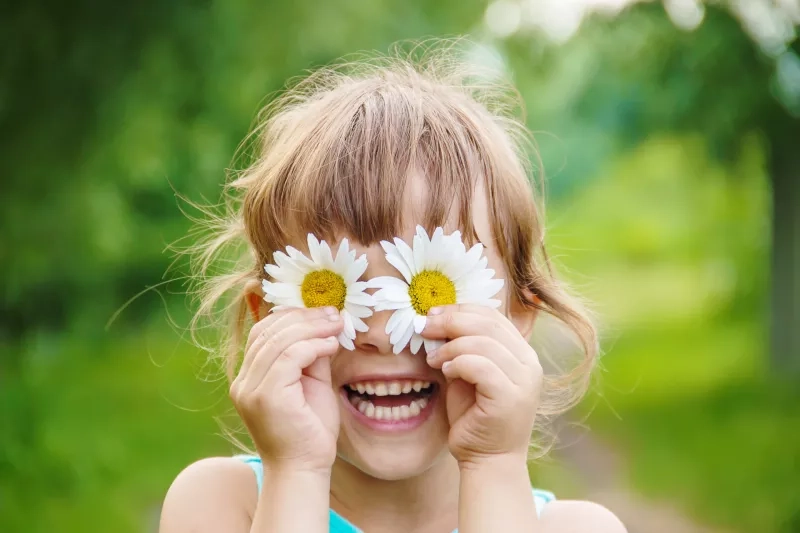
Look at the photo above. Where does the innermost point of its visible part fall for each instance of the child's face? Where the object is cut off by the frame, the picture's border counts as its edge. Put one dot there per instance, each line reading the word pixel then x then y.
pixel 398 449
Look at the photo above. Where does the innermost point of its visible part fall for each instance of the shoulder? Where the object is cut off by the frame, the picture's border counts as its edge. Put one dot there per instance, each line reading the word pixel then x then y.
pixel 212 494
pixel 572 516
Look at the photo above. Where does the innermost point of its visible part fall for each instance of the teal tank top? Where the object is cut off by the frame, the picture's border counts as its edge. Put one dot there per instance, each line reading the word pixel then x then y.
pixel 338 524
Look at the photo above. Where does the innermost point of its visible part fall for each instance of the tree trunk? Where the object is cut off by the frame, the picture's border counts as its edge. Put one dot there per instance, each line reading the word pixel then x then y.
pixel 785 302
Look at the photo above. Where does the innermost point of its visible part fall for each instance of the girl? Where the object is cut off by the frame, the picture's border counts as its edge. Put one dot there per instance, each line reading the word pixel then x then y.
pixel 410 407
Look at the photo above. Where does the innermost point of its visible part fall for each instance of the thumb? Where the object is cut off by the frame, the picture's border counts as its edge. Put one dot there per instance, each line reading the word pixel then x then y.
pixel 460 397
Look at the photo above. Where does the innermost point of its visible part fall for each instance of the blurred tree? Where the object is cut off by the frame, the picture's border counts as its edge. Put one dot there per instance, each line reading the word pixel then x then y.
pixel 637 75
pixel 105 109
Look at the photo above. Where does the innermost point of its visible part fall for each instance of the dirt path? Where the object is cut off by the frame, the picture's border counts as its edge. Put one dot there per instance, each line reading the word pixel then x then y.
pixel 598 474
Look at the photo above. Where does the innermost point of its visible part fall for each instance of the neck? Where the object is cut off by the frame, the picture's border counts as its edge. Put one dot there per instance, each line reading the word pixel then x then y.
pixel 427 502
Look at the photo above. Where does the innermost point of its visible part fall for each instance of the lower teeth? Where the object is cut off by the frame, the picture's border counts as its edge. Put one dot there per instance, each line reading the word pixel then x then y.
pixel 402 412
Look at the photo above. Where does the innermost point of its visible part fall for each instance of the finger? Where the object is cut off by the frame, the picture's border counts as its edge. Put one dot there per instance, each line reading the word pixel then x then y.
pixel 302 355
pixel 483 346
pixel 280 317
pixel 285 319
pixel 274 346
pixel 453 322
pixel 488 379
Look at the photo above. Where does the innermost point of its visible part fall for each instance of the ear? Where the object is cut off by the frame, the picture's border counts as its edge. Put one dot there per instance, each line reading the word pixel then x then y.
pixel 254 297
pixel 524 317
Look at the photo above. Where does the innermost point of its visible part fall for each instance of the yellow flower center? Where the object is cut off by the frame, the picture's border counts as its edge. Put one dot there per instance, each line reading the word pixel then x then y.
pixel 431 288
pixel 322 288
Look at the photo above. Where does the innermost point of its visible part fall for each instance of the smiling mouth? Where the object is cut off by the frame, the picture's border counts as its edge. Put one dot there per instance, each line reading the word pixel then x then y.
pixel 392 400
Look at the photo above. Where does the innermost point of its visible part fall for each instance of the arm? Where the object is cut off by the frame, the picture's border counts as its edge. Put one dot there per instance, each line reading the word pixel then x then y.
pixel 219 494
pixel 495 495
pixel 209 496
pixel 293 500
pixel 566 516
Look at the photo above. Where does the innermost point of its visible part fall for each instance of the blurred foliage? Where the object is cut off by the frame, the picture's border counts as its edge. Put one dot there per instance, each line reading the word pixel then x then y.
pixel 656 143
pixel 679 277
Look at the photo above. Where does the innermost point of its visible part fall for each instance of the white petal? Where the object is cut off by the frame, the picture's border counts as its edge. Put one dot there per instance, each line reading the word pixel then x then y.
pixel 359 325
pixel 342 258
pixel 359 298
pixel 494 286
pixel 481 291
pixel 349 330
pixel 284 275
pixel 476 277
pixel 358 286
pixel 284 295
pixel 386 305
pixel 407 255
pixel 387 247
pixel 466 263
pixel 401 344
pixel 416 342
pixel 281 290
pixel 419 323
pixel 302 262
pixel 314 249
pixel 394 320
pixel 284 262
pixel 345 342
pixel 358 311
pixel 392 295
pixel 355 270
pixel 419 253
pixel 385 282
pixel 404 323
pixel 437 251
pixel 327 256
pixel 399 263
pixel 400 331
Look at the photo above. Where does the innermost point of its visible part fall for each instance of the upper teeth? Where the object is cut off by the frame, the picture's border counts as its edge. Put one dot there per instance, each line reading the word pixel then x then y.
pixel 389 388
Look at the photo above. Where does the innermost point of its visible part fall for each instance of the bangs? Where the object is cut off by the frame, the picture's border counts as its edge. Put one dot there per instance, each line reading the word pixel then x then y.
pixel 345 165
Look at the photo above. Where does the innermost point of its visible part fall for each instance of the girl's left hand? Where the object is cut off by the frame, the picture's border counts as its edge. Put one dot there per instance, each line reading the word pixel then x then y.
pixel 494 381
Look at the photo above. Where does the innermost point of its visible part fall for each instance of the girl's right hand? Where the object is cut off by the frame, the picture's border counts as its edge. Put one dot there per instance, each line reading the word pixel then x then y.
pixel 283 391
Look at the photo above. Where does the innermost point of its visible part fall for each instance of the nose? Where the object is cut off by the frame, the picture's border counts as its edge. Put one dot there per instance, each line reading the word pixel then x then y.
pixel 375 340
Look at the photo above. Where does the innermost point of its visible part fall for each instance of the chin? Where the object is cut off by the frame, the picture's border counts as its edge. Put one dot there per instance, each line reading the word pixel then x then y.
pixel 393 436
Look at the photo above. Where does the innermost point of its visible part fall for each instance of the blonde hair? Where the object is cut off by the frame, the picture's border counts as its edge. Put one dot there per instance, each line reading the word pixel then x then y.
pixel 334 152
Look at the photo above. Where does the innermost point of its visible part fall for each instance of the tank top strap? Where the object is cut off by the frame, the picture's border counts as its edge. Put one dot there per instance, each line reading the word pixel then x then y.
pixel 254 462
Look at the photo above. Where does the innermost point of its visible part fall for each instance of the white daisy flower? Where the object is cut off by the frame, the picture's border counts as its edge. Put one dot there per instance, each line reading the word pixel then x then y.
pixel 321 281
pixel 437 271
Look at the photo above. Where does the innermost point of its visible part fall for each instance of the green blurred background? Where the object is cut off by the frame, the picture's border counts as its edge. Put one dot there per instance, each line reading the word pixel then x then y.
pixel 671 143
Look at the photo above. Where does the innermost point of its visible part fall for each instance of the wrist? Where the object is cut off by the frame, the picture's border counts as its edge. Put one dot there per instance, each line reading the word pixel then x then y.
pixel 295 470
pixel 503 463
pixel 294 497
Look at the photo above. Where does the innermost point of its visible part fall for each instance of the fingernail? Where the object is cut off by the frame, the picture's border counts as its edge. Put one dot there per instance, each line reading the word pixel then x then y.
pixel 444 366
pixel 431 355
pixel 435 311
pixel 333 314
